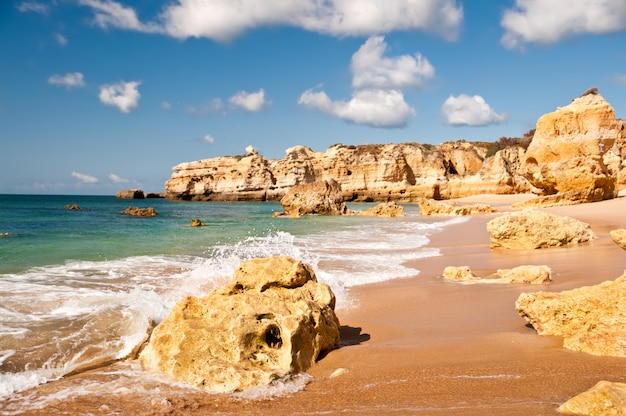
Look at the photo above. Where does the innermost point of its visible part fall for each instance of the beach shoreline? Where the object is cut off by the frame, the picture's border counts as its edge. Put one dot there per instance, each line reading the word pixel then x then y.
pixel 421 345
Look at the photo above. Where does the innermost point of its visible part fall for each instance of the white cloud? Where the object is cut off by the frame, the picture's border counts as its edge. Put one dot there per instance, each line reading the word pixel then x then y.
pixel 208 139
pixel 116 179
pixel 371 69
pixel 253 101
pixel 215 106
pixel 123 95
pixel 166 105
pixel 548 21
pixel 372 107
pixel 61 40
pixel 377 99
pixel 223 20
pixel 466 110
pixel 84 178
pixel 109 13
pixel 69 80
pixel 34 7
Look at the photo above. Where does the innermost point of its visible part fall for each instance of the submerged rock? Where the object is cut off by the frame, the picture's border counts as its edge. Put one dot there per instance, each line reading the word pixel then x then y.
pixel 530 229
pixel 140 212
pixel 72 207
pixel 197 223
pixel 605 398
pixel 590 319
pixel 274 319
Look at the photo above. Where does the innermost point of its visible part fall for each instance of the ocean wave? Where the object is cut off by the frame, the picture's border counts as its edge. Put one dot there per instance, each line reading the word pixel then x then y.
pixel 64 318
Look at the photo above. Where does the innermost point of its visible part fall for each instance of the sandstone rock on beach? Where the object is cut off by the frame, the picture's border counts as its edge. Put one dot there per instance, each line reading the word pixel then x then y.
pixel 274 319
pixel 605 398
pixel 529 229
pixel 322 198
pixel 385 209
pixel 432 207
pixel 528 274
pixel 566 153
pixel 619 237
pixel 590 319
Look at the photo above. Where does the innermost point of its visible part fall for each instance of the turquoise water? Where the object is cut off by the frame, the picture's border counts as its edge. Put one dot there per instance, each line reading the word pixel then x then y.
pixel 80 288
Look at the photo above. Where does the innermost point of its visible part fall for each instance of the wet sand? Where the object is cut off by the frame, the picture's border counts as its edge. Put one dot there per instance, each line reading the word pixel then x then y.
pixel 417 345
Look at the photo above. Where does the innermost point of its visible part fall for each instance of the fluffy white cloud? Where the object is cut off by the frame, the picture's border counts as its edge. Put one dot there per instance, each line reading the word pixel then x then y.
pixel 249 101
pixel 34 7
pixel 373 107
pixel 208 139
pixel 109 13
pixel 222 20
pixel 377 99
pixel 371 69
pixel 548 21
pixel 84 178
pixel 116 179
pixel 123 95
pixel 69 80
pixel 466 110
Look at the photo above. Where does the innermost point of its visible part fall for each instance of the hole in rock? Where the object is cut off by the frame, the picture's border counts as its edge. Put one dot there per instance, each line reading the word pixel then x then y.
pixel 272 337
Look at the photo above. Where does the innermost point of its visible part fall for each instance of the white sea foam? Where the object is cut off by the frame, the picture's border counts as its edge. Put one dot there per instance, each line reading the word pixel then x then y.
pixel 99 311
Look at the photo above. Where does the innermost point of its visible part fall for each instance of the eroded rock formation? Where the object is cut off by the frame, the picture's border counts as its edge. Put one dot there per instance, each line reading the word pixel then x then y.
pixel 130 194
pixel 140 212
pixel 566 155
pixel 272 320
pixel 385 209
pixel 374 173
pixel 432 207
pixel 605 398
pixel 322 198
pixel 590 319
pixel 577 153
pixel 529 229
pixel 619 237
pixel 528 274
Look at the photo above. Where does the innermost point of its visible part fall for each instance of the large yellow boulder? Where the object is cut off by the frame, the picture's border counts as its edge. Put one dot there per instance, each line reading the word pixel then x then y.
pixel 274 319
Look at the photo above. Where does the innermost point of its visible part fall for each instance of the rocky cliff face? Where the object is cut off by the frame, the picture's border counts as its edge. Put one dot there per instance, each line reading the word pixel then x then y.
pixel 567 152
pixel 577 151
pixel 400 172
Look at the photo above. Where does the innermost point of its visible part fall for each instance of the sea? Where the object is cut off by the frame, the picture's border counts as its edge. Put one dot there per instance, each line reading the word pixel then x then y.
pixel 81 288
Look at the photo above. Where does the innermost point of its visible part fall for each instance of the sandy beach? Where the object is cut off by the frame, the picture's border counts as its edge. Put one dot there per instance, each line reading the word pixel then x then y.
pixel 418 345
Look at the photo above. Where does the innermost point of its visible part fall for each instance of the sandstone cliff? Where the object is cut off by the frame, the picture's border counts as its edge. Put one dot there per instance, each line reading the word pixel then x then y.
pixel 576 156
pixel 567 153
pixel 399 172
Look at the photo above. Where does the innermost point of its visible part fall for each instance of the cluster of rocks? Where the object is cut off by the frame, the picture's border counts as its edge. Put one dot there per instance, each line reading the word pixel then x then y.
pixel 575 156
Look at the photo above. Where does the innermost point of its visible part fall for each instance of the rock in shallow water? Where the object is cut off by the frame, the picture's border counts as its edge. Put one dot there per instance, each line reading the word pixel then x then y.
pixel 272 320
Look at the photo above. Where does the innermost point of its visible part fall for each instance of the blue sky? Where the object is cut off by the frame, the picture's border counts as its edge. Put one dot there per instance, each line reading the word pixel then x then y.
pixel 102 95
